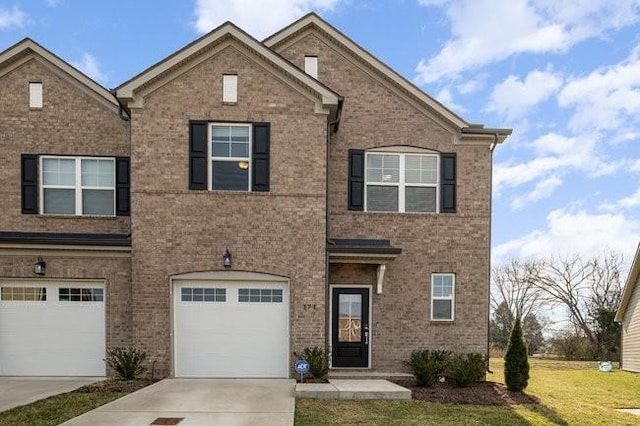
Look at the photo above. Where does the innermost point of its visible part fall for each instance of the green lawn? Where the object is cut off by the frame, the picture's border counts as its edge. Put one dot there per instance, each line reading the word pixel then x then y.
pixel 570 393
pixel 56 409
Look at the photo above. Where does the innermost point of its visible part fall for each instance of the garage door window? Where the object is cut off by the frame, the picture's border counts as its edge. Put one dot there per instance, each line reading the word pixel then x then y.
pixel 260 295
pixel 31 294
pixel 191 294
pixel 81 295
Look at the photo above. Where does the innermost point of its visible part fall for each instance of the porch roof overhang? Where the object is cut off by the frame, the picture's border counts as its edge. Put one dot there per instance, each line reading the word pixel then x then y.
pixel 376 252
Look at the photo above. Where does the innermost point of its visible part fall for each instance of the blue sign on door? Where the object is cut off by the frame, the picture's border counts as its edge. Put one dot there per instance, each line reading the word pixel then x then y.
pixel 302 366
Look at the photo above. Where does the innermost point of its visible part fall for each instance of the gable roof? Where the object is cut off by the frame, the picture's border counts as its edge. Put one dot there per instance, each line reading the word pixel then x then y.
pixel 27 49
pixel 128 90
pixel 629 286
pixel 466 131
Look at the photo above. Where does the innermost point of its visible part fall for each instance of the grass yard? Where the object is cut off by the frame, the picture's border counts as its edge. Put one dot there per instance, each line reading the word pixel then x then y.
pixel 56 409
pixel 570 393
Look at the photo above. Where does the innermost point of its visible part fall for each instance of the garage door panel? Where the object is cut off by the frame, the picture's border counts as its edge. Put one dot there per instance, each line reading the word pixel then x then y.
pixel 52 337
pixel 232 338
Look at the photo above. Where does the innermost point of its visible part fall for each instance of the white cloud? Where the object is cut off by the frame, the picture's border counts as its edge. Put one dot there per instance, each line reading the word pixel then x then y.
pixel 570 232
pixel 259 19
pixel 471 86
pixel 89 65
pixel 606 99
pixel 445 98
pixel 554 154
pixel 13 17
pixel 635 165
pixel 630 201
pixel 513 97
pixel 486 31
pixel 543 190
pixel 53 3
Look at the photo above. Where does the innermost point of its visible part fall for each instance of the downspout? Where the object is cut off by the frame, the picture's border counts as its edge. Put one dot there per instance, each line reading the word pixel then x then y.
pixel 332 127
pixel 491 148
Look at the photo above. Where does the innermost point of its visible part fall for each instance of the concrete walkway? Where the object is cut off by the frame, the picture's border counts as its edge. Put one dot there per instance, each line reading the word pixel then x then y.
pixel 229 402
pixel 352 389
pixel 16 391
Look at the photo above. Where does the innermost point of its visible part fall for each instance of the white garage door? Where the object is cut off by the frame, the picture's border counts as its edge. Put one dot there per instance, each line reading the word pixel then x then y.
pixel 52 329
pixel 231 329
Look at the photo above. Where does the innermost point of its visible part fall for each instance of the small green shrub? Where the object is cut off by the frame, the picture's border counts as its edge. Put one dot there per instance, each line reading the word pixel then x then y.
pixel 127 363
pixel 428 366
pixel 516 362
pixel 465 369
pixel 318 359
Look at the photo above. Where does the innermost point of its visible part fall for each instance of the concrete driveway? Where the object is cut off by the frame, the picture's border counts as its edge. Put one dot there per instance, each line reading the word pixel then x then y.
pixel 15 391
pixel 183 402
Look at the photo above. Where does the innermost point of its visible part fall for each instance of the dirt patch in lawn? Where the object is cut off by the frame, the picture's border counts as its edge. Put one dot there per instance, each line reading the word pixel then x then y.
pixel 126 386
pixel 481 393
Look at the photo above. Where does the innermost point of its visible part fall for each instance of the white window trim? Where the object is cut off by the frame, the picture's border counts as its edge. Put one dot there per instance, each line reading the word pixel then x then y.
pixel 77 187
pixel 229 159
pixel 452 298
pixel 35 94
pixel 401 184
pixel 230 88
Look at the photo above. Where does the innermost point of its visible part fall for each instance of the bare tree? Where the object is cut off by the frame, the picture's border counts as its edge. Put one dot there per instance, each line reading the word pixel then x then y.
pixel 589 290
pixel 514 285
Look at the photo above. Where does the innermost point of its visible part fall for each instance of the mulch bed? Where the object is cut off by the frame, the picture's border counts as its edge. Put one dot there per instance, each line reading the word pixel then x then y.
pixel 113 385
pixel 481 393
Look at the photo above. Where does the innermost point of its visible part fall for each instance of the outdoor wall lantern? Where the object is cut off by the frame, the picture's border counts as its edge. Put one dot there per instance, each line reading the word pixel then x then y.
pixel 40 266
pixel 226 259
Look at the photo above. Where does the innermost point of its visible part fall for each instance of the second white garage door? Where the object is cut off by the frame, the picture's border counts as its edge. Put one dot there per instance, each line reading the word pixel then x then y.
pixel 231 329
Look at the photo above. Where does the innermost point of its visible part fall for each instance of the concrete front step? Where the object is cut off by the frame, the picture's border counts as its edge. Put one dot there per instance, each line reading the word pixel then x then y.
pixel 352 389
pixel 362 374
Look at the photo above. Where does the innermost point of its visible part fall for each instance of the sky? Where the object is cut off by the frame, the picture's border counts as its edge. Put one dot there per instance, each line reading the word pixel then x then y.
pixel 564 75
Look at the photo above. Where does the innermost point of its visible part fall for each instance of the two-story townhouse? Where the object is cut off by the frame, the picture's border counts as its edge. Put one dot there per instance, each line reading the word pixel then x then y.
pixel 283 194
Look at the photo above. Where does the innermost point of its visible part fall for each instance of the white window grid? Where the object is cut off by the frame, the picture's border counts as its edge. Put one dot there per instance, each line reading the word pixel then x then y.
pixel 402 184
pixel 213 158
pixel 260 295
pixel 203 294
pixel 451 297
pixel 77 187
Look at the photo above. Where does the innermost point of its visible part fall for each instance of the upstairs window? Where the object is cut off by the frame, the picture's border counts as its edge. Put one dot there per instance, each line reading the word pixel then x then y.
pixel 230 161
pixel 401 182
pixel 77 186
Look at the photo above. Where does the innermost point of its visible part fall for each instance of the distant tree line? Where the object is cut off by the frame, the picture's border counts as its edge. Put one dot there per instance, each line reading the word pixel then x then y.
pixel 588 291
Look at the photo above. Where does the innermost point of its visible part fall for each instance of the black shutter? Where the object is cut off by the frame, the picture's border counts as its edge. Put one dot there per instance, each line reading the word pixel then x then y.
pixel 356 179
pixel 260 157
pixel 123 179
pixel 198 155
pixel 29 177
pixel 448 183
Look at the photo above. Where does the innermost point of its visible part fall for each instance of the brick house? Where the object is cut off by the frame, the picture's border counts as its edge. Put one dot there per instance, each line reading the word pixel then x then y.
pixel 234 203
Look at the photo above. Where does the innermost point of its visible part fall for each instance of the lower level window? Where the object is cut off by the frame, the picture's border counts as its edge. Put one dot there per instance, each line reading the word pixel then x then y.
pixel 81 294
pixel 260 295
pixel 32 294
pixel 442 297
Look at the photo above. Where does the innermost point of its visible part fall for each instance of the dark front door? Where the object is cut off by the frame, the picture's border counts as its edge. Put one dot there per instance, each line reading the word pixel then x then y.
pixel 350 327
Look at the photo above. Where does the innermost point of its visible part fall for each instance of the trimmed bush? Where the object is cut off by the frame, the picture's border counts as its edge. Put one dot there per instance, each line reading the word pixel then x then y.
pixel 318 359
pixel 428 366
pixel 516 363
pixel 127 363
pixel 466 369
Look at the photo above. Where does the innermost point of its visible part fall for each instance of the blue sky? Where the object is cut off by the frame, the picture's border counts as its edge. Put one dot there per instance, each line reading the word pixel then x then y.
pixel 564 75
